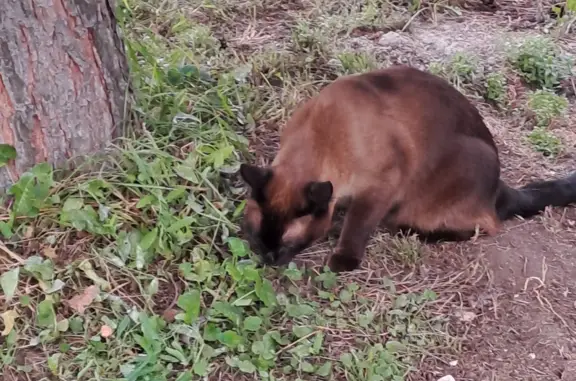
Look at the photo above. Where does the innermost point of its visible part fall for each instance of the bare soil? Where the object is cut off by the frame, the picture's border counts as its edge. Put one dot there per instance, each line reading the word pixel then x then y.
pixel 524 322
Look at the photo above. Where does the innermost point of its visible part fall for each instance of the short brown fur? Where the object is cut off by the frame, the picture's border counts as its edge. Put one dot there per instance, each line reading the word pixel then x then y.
pixel 399 143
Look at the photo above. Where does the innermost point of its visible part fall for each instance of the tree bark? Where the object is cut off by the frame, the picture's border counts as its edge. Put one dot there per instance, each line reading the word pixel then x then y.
pixel 63 80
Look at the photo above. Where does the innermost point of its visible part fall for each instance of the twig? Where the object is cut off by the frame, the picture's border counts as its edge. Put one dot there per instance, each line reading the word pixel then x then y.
pixel 541 280
pixel 412 19
pixel 11 254
pixel 533 278
pixel 296 342
pixel 542 299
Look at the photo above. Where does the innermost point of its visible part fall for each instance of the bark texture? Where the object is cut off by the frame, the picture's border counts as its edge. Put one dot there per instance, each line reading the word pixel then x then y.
pixel 63 80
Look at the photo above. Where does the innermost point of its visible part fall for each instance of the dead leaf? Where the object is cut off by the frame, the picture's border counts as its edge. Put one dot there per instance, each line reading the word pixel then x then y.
pixel 29 232
pixel 9 318
pixel 170 315
pixel 82 234
pixel 106 331
pixel 465 316
pixel 80 302
pixel 86 266
pixel 49 252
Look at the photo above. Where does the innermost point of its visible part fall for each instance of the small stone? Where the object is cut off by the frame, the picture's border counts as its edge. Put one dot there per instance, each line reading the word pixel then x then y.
pixel 335 63
pixel 465 316
pixel 532 356
pixel 453 363
pixel 392 39
pixel 106 331
pixel 447 378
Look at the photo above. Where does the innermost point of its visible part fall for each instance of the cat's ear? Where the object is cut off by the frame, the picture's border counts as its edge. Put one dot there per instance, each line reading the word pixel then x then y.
pixel 256 177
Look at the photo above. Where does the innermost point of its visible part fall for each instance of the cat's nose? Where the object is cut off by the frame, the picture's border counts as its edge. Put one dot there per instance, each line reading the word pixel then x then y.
pixel 270 257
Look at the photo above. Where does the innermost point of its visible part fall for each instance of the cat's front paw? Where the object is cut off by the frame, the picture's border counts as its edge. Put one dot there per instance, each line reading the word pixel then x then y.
pixel 342 262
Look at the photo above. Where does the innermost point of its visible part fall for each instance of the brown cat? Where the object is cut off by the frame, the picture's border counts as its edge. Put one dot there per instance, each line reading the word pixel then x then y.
pixel 398 144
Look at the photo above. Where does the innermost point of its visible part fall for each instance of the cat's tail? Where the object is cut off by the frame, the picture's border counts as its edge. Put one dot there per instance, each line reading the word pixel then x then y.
pixel 534 197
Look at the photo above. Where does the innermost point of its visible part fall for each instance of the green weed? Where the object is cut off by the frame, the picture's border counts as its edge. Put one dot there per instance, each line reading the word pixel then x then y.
pixel 375 362
pixel 546 106
pixel 308 39
pixel 541 62
pixel 460 70
pixel 406 249
pixel 495 89
pixel 545 141
pixel 343 17
pixel 353 62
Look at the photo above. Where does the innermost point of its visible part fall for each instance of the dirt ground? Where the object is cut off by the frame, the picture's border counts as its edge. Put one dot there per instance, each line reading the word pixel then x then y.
pixel 517 318
pixel 526 312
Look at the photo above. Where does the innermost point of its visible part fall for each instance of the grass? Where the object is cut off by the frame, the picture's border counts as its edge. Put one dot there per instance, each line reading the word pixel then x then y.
pixel 460 70
pixel 131 268
pixel 353 62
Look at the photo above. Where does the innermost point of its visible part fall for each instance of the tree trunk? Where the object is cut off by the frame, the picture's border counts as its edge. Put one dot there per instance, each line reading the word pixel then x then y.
pixel 63 80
